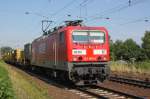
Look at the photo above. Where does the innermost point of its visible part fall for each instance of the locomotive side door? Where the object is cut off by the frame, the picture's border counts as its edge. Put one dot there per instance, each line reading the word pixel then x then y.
pixel 55 52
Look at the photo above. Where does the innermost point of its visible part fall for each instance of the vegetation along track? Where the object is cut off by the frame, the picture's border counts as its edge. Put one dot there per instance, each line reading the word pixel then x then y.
pixel 130 81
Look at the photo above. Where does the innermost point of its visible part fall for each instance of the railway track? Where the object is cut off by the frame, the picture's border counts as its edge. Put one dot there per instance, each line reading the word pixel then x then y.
pixel 90 92
pixel 97 92
pixel 130 81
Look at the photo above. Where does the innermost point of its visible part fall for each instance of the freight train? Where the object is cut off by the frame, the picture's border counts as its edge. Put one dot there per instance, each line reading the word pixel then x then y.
pixel 72 52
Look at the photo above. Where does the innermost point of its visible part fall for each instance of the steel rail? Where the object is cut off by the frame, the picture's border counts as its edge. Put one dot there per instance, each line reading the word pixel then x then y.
pixel 127 95
pixel 106 93
pixel 130 81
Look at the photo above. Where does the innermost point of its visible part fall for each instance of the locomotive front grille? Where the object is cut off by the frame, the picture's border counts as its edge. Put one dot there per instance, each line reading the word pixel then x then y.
pixel 89 72
pixel 88 65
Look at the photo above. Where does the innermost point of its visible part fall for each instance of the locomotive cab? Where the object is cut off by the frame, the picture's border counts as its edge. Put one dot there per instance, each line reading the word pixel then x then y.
pixel 89 45
pixel 89 55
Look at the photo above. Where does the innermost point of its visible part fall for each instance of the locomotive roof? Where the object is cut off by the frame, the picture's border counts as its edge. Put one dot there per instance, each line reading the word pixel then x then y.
pixel 77 24
pixel 62 28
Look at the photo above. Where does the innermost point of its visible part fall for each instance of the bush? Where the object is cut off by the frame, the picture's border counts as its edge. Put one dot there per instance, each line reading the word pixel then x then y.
pixel 137 67
pixel 6 91
pixel 143 65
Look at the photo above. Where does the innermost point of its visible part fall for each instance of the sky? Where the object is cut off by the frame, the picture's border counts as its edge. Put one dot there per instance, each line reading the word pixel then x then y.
pixel 122 19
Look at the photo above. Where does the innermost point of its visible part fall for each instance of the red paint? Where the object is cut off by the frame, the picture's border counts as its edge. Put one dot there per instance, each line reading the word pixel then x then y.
pixel 64 50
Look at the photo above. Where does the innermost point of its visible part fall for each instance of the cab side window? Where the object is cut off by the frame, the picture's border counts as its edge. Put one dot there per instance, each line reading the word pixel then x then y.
pixel 62 37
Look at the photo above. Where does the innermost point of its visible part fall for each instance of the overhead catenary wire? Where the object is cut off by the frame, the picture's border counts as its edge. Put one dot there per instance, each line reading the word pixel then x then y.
pixel 63 8
pixel 105 13
pixel 37 14
pixel 54 14
pixel 115 9
pixel 84 2
pixel 144 19
pixel 66 6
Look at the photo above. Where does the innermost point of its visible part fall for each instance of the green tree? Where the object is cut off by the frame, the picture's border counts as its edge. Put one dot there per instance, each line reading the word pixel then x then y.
pixel 119 49
pixel 111 44
pixel 146 43
pixel 127 50
pixel 5 49
pixel 132 50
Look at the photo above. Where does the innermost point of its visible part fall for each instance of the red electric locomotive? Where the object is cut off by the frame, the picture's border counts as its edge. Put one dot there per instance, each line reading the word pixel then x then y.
pixel 75 52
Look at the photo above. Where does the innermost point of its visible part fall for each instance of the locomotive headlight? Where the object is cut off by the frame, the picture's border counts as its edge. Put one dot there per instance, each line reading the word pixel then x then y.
pixel 100 52
pixel 104 58
pixel 80 58
pixel 74 59
pixel 78 52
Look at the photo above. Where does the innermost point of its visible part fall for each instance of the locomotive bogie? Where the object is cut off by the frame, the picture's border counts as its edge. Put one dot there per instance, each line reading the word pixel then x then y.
pixel 88 73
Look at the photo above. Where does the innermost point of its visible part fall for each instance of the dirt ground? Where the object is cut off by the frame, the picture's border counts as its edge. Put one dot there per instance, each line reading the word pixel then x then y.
pixel 139 91
pixel 143 92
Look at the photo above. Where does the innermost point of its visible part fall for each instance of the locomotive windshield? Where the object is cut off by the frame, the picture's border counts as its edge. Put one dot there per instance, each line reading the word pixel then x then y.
pixel 88 36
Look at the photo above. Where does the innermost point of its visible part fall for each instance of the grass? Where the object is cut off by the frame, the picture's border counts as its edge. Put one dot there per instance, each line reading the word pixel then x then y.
pixel 25 86
pixel 143 65
pixel 139 67
pixel 6 91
